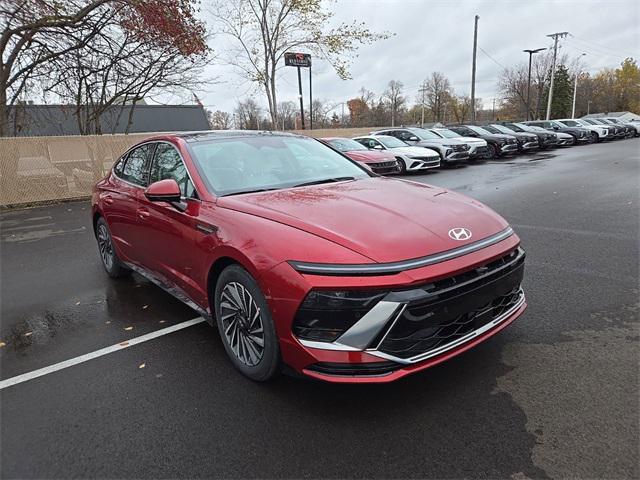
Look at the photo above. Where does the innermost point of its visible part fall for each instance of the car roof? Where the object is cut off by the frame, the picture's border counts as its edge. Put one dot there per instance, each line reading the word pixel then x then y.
pixel 206 135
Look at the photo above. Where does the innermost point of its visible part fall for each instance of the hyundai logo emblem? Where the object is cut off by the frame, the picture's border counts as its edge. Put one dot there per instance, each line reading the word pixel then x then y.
pixel 460 233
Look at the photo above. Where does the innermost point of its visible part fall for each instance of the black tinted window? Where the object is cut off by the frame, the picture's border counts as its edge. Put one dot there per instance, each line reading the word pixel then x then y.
pixel 118 166
pixel 137 166
pixel 167 163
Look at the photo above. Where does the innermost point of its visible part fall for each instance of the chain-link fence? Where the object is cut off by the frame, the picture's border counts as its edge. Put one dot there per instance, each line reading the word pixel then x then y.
pixel 43 169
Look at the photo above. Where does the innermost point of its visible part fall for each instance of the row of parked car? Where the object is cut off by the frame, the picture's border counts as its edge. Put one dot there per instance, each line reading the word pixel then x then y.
pixel 401 150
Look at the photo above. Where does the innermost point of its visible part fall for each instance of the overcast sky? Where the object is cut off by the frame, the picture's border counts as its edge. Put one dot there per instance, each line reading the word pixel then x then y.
pixel 438 36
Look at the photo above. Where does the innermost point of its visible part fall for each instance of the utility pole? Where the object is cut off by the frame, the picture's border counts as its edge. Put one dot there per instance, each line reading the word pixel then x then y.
pixel 423 89
pixel 300 96
pixel 310 101
pixel 493 110
pixel 555 37
pixel 473 71
pixel 531 53
pixel 575 86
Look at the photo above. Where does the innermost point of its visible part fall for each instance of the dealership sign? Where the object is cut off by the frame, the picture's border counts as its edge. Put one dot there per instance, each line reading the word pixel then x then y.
pixel 297 59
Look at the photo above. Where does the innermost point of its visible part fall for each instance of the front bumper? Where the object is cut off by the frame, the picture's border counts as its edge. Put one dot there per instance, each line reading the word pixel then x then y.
pixel 385 168
pixel 482 152
pixel 422 163
pixel 374 349
pixel 509 148
pixel 564 142
pixel 530 146
pixel 455 157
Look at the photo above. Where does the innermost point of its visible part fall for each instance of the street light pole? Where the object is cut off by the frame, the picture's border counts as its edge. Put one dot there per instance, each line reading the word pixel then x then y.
pixel 575 89
pixel 530 52
pixel 555 37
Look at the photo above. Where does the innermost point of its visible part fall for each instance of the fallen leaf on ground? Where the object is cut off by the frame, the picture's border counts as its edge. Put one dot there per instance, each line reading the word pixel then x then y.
pixel 124 344
pixel 162 321
pixel 77 303
pixel 2 344
pixel 128 328
pixel 144 307
pixel 28 334
pixel 108 322
pixel 142 365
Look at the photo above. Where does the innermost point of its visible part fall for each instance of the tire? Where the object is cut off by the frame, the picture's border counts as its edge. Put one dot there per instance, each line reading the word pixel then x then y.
pixel 402 165
pixel 575 140
pixel 495 153
pixel 244 321
pixel 110 261
pixel 595 138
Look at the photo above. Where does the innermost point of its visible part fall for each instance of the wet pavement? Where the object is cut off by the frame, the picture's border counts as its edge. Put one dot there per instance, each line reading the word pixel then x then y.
pixel 554 395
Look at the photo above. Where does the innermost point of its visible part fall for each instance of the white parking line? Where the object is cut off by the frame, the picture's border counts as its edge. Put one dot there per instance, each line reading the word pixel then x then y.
pixel 98 353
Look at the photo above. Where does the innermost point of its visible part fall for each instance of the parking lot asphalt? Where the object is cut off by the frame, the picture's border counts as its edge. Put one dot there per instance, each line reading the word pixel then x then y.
pixel 554 395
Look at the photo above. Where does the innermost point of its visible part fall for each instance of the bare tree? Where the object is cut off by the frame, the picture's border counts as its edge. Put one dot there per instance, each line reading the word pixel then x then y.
pixel 41 38
pixel 437 91
pixel 248 114
pixel 395 100
pixel 263 30
pixel 219 120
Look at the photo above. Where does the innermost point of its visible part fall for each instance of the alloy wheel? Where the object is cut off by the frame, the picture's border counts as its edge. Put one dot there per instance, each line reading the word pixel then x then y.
pixel 105 246
pixel 242 323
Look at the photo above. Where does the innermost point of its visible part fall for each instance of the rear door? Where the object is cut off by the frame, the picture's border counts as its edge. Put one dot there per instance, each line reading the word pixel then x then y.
pixel 173 234
pixel 122 198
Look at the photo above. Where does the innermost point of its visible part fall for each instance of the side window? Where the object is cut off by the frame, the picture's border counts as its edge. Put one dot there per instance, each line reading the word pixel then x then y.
pixel 374 143
pixel 167 163
pixel 137 164
pixel 404 135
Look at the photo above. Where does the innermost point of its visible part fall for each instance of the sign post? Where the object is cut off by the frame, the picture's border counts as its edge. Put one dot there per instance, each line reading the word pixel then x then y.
pixel 301 60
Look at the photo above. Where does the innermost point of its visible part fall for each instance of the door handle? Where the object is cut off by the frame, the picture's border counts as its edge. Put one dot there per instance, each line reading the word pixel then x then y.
pixel 143 213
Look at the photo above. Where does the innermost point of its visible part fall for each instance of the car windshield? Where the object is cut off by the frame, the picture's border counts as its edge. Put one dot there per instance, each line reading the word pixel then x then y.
pixel 503 129
pixel 390 142
pixel 612 120
pixel 570 123
pixel 423 134
pixel 492 129
pixel 533 128
pixel 557 124
pixel 592 122
pixel 256 163
pixel 515 128
pixel 346 144
pixel 446 133
pixel 478 130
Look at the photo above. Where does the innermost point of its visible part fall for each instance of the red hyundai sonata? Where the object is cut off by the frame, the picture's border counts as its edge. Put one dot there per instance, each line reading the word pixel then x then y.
pixel 378 162
pixel 303 257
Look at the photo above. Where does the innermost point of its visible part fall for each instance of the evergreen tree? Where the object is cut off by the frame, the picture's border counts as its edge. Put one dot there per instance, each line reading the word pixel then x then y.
pixel 562 94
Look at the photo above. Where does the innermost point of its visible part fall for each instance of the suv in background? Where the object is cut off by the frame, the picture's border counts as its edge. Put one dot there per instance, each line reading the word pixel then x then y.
pixel 546 139
pixel 598 132
pixel 527 141
pixel 499 143
pixel 579 134
pixel 479 148
pixel 633 130
pixel 451 150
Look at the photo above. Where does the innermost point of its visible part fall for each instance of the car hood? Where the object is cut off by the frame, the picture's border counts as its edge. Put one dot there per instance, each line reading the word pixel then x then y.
pixel 369 156
pixel 497 137
pixel 383 219
pixel 415 151
pixel 563 135
pixel 472 140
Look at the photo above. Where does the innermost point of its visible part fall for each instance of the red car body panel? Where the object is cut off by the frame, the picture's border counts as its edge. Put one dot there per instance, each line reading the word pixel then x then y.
pixel 363 156
pixel 353 222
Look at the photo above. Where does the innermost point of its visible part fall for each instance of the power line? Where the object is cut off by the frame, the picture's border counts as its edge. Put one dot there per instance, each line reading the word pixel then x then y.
pixel 602 47
pixel 493 59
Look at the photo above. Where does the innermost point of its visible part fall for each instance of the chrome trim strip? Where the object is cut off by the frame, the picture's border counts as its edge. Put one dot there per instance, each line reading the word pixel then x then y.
pixel 361 334
pixel 327 346
pixel 451 345
pixel 396 267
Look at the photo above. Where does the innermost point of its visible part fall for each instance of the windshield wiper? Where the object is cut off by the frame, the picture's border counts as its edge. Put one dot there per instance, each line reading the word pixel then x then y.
pixel 324 180
pixel 250 191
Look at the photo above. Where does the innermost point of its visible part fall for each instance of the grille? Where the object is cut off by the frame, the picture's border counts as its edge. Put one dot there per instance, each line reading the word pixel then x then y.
pixel 460 148
pixel 385 167
pixel 391 163
pixel 455 307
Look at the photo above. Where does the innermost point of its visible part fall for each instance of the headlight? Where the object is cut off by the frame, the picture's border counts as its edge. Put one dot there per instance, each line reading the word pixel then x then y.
pixel 448 146
pixel 325 315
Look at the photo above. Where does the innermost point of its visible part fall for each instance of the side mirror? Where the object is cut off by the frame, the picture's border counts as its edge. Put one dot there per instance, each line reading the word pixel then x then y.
pixel 166 190
pixel 377 147
pixel 555 127
pixel 413 139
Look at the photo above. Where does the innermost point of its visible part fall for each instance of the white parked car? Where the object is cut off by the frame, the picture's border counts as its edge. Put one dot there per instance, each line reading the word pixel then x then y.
pixel 598 132
pixel 479 148
pixel 412 159
pixel 451 150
